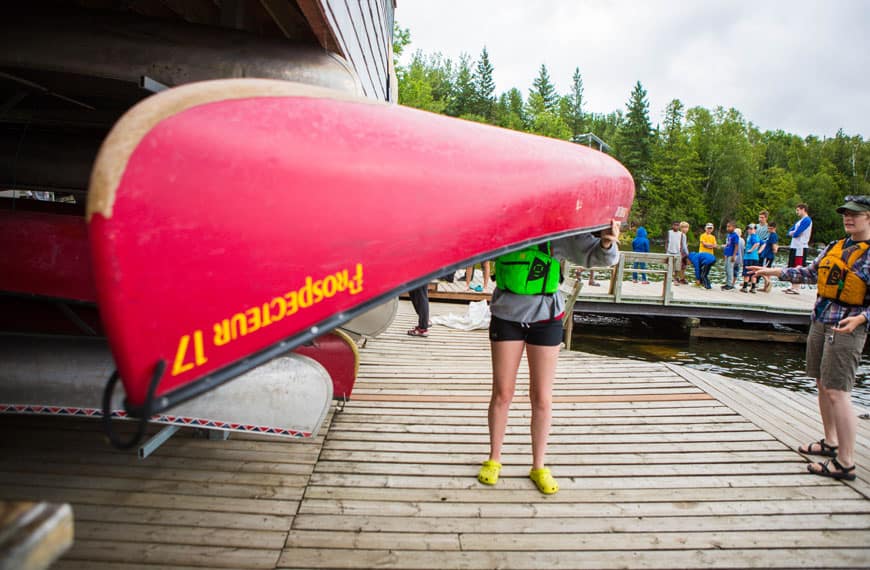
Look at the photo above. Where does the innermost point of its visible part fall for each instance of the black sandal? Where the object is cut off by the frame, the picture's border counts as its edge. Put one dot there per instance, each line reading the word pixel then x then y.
pixel 844 473
pixel 825 450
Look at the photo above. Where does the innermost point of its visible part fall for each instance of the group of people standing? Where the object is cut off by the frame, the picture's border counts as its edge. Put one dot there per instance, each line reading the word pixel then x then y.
pixel 758 248
pixel 527 311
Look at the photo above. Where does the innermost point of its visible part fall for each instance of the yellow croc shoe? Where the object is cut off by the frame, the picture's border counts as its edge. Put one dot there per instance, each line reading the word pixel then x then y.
pixel 544 480
pixel 489 471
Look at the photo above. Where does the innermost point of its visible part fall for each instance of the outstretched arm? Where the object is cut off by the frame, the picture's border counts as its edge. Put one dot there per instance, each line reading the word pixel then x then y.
pixel 590 251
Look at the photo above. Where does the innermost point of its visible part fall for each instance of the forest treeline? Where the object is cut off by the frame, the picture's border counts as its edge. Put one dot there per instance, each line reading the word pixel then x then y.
pixel 694 164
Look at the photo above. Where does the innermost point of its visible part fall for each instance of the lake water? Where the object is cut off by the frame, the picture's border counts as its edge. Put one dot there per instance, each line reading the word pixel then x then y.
pixel 663 340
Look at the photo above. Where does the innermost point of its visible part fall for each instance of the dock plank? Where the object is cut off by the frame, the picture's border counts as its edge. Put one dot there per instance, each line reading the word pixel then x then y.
pixel 621 526
pixel 698 558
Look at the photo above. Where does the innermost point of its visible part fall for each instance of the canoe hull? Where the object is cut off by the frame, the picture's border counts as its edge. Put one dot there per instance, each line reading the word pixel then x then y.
pixel 45 255
pixel 337 353
pixel 228 228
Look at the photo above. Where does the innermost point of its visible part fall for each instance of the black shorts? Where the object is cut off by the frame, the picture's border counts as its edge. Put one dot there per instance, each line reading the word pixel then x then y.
pixel 795 260
pixel 545 333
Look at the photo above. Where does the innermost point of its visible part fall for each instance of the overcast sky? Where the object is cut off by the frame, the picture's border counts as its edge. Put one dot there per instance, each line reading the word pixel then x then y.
pixel 797 65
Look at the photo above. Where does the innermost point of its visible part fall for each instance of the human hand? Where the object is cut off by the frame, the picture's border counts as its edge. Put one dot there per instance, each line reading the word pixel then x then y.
pixel 849 324
pixel 610 236
pixel 760 271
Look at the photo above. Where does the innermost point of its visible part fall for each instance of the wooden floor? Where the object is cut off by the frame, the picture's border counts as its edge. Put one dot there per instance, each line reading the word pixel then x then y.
pixel 660 467
pixel 645 300
pixel 775 298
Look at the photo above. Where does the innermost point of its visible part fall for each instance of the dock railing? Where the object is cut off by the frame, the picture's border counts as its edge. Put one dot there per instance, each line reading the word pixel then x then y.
pixel 656 263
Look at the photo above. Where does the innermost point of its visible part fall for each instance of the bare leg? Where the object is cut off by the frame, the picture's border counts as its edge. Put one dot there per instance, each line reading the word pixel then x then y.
pixel 469 273
pixel 506 357
pixel 846 423
pixel 542 370
pixel 827 411
pixel 485 275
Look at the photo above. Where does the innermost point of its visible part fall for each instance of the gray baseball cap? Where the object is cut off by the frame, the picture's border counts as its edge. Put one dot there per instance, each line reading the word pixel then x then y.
pixel 855 204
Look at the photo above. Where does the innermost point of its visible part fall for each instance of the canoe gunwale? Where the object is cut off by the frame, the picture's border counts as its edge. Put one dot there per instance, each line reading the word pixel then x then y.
pixel 217 378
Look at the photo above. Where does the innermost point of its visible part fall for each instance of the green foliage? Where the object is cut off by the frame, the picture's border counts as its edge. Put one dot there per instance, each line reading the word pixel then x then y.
pixel 416 88
pixel 674 191
pixel 777 186
pixel 700 165
pixel 463 99
pixel 509 111
pixel 604 126
pixel 731 174
pixel 550 124
pixel 401 40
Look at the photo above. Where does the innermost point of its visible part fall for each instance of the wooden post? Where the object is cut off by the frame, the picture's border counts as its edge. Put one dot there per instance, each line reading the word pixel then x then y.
pixel 34 535
pixel 568 317
pixel 666 293
pixel 616 284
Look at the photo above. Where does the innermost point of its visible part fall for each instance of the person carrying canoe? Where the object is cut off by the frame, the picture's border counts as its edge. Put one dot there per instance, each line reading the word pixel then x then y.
pixel 837 332
pixel 527 311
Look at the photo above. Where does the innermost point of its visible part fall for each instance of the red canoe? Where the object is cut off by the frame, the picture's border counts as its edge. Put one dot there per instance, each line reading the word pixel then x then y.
pixel 338 354
pixel 46 254
pixel 47 270
pixel 233 220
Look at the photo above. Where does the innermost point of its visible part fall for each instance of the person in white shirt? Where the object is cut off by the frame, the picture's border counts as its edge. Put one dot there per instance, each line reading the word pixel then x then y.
pixel 800 238
pixel 676 245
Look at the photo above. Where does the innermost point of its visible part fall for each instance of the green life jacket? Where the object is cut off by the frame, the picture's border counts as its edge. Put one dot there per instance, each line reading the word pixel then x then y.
pixel 530 271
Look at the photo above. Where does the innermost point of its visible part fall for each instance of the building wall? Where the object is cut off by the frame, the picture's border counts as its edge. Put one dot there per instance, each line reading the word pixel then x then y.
pixel 363 30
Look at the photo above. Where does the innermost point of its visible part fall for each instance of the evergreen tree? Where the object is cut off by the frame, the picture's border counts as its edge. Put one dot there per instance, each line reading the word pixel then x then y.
pixel 701 165
pixel 675 176
pixel 729 165
pixel 543 88
pixel 634 142
pixel 509 110
pixel 542 108
pixel 574 118
pixel 462 100
pixel 484 87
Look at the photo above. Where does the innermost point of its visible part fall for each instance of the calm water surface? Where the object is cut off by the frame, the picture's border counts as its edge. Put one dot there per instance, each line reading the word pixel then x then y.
pixel 662 340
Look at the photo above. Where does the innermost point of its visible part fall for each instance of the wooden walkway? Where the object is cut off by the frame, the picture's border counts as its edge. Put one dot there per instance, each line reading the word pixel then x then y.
pixel 691 301
pixel 637 299
pixel 660 467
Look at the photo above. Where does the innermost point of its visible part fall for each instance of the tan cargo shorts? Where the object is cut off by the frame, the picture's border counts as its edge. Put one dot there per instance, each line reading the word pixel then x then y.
pixel 833 357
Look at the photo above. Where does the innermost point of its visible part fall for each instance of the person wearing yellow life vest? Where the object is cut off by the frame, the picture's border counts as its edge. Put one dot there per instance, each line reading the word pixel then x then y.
pixel 526 314
pixel 837 333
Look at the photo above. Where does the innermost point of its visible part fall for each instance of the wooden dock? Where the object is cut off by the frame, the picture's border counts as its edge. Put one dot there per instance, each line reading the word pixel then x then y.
pixel 690 301
pixel 660 467
pixel 660 298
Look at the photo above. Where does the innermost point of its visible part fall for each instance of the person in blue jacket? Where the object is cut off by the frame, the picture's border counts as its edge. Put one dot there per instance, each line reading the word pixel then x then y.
pixel 641 244
pixel 702 262
pixel 732 244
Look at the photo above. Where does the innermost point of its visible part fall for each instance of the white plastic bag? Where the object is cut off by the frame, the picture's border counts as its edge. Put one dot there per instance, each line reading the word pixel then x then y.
pixel 475 317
